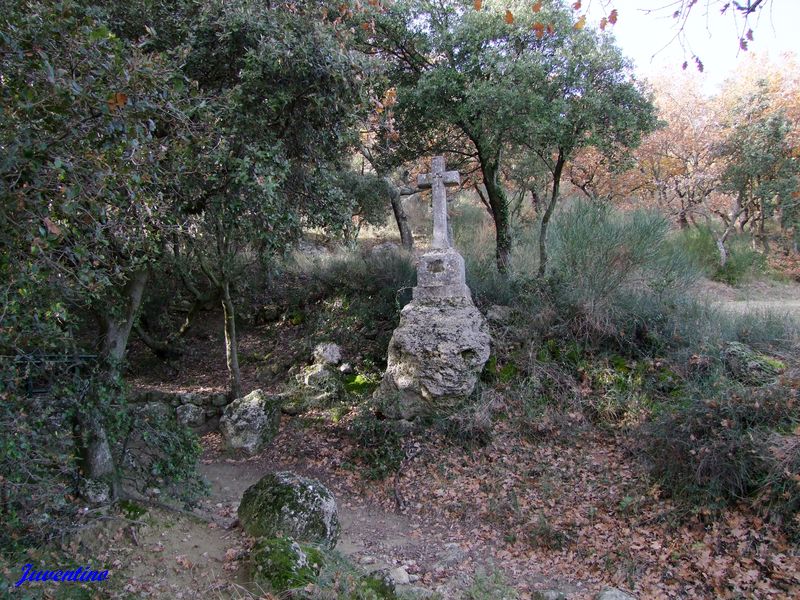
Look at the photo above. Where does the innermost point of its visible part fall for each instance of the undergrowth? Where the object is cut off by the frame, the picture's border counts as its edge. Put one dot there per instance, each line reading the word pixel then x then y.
pixel 614 334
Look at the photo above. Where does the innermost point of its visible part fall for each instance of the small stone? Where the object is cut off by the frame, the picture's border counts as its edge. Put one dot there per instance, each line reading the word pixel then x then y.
pixel 317 376
pixel 551 595
pixel 95 491
pixel 327 354
pixel 367 560
pixel 614 594
pixel 399 576
pixel 452 555
pixel 218 399
pixel 190 415
pixel 189 398
pixel 346 368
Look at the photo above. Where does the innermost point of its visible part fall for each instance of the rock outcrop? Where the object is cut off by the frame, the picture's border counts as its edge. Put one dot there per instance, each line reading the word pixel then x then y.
pixel 251 422
pixel 286 504
pixel 440 346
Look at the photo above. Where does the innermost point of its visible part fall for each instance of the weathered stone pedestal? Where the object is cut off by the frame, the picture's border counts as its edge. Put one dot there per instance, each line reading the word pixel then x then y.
pixel 437 352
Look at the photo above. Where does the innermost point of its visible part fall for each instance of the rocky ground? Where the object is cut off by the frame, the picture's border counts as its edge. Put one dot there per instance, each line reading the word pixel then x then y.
pixel 565 509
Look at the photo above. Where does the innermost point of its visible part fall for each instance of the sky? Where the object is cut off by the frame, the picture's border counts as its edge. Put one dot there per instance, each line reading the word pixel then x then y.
pixel 648 39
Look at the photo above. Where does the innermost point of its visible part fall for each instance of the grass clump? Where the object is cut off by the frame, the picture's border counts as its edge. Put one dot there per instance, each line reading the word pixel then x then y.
pixel 490 586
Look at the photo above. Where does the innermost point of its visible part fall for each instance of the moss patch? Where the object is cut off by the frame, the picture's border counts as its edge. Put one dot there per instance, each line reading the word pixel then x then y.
pixel 281 563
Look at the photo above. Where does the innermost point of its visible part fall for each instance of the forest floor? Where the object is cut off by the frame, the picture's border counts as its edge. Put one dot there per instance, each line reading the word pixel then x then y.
pixel 568 507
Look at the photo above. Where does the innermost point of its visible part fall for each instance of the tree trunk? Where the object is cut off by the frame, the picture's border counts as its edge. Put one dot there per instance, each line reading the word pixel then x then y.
pixel 231 349
pixel 730 225
pixel 723 252
pixel 406 237
pixel 559 168
pixel 115 330
pixel 762 233
pixel 499 205
pixel 683 222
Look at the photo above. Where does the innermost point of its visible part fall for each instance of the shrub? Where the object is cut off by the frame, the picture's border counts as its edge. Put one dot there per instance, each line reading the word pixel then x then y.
pixel 379 444
pixel 43 402
pixel 362 295
pixel 721 446
pixel 44 405
pixel 699 243
pixel 604 263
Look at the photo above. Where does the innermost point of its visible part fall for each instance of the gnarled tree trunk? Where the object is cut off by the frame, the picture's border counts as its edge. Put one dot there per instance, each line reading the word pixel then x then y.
pixel 395 197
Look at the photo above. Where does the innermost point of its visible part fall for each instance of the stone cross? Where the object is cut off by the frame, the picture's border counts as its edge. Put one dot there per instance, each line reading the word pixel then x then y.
pixel 437 179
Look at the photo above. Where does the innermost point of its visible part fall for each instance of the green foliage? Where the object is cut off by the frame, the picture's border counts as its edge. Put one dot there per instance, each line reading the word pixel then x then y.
pixel 42 441
pixel 469 82
pixel 359 296
pixel 378 444
pixel 340 580
pixel 39 460
pixel 761 169
pixel 280 564
pixel 743 261
pixel 153 450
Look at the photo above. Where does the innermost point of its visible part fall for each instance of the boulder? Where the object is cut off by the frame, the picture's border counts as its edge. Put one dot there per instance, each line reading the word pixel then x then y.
pixel 318 377
pixel 286 504
pixel 434 359
pixel 251 422
pixel 327 354
pixel 190 415
pixel 748 366
pixel 279 564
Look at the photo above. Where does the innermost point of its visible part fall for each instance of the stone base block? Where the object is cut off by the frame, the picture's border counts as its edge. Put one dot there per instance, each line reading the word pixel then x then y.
pixel 441 268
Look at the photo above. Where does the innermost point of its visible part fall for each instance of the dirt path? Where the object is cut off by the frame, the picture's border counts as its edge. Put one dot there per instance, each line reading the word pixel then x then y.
pixel 170 555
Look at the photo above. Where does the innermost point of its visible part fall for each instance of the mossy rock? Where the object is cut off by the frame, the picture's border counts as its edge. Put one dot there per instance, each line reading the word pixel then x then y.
pixel 750 367
pixel 286 504
pixel 279 564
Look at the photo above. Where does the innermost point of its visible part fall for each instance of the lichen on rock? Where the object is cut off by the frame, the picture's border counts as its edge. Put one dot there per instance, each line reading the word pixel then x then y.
pixel 286 504
pixel 435 358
